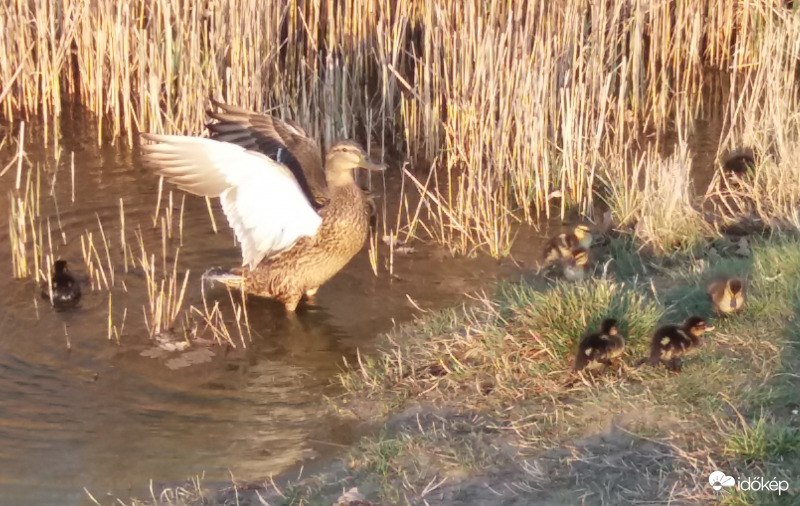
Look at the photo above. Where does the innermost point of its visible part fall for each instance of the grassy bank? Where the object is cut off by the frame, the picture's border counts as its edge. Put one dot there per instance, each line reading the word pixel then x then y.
pixel 477 405
pixel 523 108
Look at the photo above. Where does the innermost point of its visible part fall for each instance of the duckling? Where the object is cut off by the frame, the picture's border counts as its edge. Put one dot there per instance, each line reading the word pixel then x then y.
pixel 670 343
pixel 559 247
pixel 739 161
pixel 727 295
pixel 66 290
pixel 573 267
pixel 600 348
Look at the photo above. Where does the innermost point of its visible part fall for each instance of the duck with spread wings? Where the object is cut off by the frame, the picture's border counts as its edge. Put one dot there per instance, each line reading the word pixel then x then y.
pixel 298 223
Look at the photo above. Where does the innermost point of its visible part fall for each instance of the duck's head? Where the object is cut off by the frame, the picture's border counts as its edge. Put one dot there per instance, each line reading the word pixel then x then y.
pixel 696 326
pixel 60 266
pixel 584 235
pixel 609 327
pixel 342 158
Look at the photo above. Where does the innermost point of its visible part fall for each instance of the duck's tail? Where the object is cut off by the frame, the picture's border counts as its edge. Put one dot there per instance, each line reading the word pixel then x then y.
pixel 216 275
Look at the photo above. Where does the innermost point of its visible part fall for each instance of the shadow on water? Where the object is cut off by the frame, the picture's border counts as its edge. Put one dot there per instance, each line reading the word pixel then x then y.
pixel 79 410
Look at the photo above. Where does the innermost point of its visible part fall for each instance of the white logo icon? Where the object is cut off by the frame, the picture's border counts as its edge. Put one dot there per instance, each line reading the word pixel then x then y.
pixel 718 479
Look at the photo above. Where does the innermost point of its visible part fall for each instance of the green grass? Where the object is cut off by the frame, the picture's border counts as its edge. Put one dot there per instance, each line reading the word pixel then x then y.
pixel 763 440
pixel 508 357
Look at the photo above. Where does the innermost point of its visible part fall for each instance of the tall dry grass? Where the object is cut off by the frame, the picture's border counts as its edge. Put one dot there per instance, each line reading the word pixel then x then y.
pixel 764 114
pixel 517 106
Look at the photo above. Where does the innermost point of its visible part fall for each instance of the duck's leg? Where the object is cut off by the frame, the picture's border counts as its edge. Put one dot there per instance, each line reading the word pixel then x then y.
pixel 311 295
pixel 290 302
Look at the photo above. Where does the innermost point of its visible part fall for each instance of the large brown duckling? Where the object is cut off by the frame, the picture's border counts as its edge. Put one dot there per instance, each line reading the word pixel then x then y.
pixel 671 343
pixel 600 348
pixel 573 267
pixel 727 295
pixel 560 246
pixel 294 235
pixel 66 290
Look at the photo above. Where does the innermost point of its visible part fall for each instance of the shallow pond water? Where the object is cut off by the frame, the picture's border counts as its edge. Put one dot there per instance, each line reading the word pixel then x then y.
pixel 79 410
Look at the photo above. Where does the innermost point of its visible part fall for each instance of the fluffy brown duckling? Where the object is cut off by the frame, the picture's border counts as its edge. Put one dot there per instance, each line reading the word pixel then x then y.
pixel 66 290
pixel 600 348
pixel 573 267
pixel 671 343
pixel 727 295
pixel 739 161
pixel 560 246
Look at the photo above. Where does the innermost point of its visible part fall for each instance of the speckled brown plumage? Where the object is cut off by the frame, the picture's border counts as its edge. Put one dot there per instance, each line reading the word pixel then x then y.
pixel 312 261
pixel 321 239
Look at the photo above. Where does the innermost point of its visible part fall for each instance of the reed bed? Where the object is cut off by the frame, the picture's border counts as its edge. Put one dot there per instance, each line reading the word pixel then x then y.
pixel 764 117
pixel 653 198
pixel 516 107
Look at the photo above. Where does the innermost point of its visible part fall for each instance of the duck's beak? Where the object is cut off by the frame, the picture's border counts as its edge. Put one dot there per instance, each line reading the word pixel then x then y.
pixel 709 328
pixel 368 164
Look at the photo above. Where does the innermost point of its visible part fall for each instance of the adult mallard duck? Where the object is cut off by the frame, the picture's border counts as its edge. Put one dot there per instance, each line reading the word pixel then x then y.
pixel 65 289
pixel 726 294
pixel 671 343
pixel 561 246
pixel 295 233
pixel 600 348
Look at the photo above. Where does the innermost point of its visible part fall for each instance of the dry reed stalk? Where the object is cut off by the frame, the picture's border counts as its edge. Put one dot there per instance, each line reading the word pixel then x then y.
pixel 25 229
pixel 762 115
pixel 213 320
pixel 101 274
pixel 656 198
pixel 165 293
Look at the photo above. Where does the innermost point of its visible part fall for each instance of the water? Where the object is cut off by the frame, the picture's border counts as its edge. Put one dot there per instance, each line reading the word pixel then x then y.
pixel 78 410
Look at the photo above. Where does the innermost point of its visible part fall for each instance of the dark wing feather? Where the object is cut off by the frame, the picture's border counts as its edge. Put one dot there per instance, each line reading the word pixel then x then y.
pixel 283 141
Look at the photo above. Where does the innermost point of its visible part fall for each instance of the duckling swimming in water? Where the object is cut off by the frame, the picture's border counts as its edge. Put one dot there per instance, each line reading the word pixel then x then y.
pixel 672 342
pixel 66 290
pixel 573 267
pixel 727 295
pixel 560 246
pixel 600 348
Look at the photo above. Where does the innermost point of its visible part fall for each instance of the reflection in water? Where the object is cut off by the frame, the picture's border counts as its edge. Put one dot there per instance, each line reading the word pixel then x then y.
pixel 78 410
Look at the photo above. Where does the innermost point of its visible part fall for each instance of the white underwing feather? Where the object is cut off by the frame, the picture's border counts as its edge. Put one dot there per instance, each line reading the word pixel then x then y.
pixel 264 204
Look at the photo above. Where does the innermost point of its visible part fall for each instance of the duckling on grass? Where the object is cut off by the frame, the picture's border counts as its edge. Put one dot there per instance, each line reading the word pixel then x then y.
pixel 727 295
pixel 66 290
pixel 560 246
pixel 573 267
pixel 671 343
pixel 600 348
